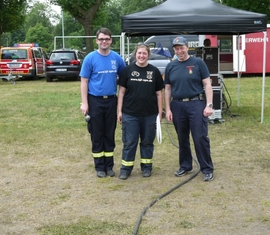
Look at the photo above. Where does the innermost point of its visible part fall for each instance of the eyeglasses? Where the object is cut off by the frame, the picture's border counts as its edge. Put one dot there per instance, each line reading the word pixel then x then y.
pixel 142 44
pixel 104 39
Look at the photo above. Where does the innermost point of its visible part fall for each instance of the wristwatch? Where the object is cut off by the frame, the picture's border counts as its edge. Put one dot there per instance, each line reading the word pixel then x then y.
pixel 210 105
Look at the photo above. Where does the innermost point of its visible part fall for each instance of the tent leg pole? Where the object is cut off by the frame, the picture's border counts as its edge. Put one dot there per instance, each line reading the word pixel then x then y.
pixel 238 68
pixel 263 79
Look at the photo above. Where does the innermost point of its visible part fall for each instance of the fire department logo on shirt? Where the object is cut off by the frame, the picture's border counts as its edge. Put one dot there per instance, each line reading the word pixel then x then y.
pixel 149 74
pixel 190 69
pixel 113 63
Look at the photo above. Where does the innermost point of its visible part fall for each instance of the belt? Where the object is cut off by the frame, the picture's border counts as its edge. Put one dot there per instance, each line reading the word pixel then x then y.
pixel 104 96
pixel 198 97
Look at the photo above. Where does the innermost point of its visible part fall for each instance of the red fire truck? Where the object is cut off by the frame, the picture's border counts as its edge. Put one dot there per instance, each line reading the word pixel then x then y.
pixel 27 60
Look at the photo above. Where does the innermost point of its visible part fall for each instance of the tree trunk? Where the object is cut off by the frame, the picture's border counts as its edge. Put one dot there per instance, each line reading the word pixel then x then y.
pixel 88 30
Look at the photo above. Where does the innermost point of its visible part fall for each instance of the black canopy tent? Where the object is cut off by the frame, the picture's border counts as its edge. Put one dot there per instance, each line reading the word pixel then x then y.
pixel 196 17
pixel 192 17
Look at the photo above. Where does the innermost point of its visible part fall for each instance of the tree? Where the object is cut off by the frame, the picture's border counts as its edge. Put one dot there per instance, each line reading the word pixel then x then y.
pixel 12 14
pixel 18 35
pixel 138 5
pixel 115 9
pixel 71 28
pixel 93 14
pixel 113 12
pixel 129 7
pixel 84 11
pixel 39 13
pixel 5 39
pixel 39 34
pixel 261 6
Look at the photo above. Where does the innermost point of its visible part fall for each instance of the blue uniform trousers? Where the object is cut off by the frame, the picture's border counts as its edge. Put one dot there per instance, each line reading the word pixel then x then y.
pixel 101 127
pixel 188 117
pixel 133 128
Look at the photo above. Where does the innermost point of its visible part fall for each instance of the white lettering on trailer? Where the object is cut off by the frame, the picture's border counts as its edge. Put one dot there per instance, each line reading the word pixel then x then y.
pixel 193 44
pixel 251 40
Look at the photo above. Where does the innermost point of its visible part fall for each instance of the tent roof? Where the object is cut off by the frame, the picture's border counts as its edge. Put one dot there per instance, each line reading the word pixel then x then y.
pixel 192 17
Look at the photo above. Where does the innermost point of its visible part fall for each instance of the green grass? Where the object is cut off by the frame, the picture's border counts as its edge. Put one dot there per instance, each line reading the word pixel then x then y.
pixel 49 186
pixel 246 99
pixel 86 227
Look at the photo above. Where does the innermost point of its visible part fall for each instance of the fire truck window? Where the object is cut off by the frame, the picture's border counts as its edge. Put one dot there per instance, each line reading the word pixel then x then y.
pixel 6 56
pixel 37 54
pixel 10 54
pixel 22 54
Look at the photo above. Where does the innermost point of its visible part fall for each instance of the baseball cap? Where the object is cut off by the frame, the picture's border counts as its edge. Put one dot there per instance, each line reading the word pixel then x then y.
pixel 180 41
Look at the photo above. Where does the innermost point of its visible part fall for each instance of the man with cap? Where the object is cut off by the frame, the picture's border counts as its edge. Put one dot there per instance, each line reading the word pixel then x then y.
pixel 188 100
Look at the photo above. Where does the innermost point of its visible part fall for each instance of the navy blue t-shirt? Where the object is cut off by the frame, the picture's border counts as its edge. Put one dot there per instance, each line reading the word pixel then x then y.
pixel 185 77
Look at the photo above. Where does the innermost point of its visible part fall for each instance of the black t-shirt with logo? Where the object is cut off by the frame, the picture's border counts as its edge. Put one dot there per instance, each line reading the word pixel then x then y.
pixel 141 84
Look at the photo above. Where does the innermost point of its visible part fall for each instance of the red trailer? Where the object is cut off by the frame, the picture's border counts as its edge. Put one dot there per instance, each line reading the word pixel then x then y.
pixel 254 52
pixel 250 54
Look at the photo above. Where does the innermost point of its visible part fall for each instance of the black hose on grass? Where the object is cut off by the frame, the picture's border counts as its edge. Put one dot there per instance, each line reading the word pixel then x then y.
pixel 169 191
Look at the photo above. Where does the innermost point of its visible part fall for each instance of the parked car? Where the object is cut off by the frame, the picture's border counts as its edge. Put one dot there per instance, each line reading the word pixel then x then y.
pixel 160 61
pixel 167 40
pixel 64 63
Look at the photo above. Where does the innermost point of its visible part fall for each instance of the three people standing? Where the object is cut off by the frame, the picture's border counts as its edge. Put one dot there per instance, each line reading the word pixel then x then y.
pixel 188 100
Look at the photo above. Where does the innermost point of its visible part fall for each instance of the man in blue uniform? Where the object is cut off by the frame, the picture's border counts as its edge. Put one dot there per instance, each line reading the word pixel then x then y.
pixel 188 99
pixel 98 92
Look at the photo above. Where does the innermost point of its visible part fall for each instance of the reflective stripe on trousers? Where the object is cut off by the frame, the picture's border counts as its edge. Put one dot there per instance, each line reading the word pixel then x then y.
pixel 102 154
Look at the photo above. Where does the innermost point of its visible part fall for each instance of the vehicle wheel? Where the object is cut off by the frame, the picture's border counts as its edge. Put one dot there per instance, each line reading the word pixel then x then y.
pixel 48 79
pixel 4 80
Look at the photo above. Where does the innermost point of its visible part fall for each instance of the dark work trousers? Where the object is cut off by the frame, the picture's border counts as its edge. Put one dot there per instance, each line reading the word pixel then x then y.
pixel 133 129
pixel 188 117
pixel 101 127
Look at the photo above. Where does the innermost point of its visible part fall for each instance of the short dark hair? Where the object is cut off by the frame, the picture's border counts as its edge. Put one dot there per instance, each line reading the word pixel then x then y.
pixel 104 31
pixel 207 42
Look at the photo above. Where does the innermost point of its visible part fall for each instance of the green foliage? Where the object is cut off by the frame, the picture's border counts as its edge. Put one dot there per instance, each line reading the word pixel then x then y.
pixel 38 34
pixel 84 11
pixel 12 15
pixel 6 40
pixel 113 10
pixel 138 5
pixel 262 6
pixel 78 8
pixel 39 13
pixel 102 13
pixel 18 35
pixel 75 43
pixel 71 28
